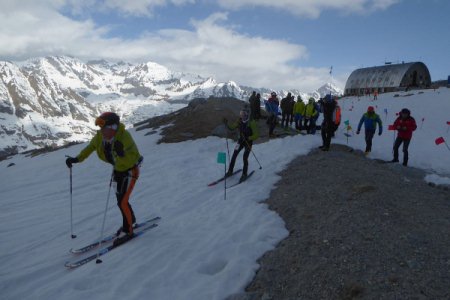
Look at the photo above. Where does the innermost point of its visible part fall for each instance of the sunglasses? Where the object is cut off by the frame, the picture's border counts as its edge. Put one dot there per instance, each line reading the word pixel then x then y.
pixel 102 124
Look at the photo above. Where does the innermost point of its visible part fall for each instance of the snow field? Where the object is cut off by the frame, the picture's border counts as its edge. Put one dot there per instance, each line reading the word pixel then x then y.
pixel 205 247
pixel 432 106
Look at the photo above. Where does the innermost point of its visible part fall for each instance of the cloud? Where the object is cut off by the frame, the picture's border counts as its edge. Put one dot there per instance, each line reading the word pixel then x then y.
pixel 210 47
pixel 312 8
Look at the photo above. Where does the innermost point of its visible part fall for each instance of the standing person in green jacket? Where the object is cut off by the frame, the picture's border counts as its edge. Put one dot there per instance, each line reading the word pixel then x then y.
pixel 299 110
pixel 248 132
pixel 115 145
pixel 310 116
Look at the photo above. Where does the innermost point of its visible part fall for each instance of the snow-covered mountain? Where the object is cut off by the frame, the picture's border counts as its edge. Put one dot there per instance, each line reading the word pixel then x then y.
pixel 53 100
pixel 328 88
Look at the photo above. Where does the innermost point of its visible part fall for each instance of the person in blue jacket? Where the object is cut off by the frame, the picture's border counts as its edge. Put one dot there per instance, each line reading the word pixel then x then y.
pixel 370 120
pixel 272 109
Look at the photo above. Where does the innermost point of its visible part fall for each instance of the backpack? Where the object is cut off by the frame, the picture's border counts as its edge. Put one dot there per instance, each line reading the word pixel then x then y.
pixel 337 115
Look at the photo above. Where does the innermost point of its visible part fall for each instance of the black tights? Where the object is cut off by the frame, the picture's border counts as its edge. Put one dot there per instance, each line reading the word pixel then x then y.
pixel 248 147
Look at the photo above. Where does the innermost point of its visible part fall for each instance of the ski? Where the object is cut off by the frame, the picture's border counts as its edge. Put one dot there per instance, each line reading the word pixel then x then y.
pixel 109 238
pixel 223 178
pixel 239 182
pixel 103 251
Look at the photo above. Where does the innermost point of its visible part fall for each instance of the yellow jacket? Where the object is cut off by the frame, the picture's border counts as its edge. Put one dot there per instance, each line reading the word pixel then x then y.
pixel 299 107
pixel 124 151
pixel 310 110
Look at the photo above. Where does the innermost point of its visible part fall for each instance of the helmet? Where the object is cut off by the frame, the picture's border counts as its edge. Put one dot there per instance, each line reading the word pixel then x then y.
pixel 370 109
pixel 244 115
pixel 106 119
pixel 405 111
pixel 311 99
pixel 299 98
pixel 273 94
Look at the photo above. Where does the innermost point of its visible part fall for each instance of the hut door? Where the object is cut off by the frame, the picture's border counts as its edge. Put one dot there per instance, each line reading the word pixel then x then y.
pixel 414 79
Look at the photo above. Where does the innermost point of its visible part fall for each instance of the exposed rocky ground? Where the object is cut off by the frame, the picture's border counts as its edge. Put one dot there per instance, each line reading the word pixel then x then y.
pixel 359 229
pixel 200 119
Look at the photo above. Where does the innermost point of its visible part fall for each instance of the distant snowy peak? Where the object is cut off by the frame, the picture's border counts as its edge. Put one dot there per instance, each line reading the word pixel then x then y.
pixel 211 88
pixel 150 72
pixel 328 88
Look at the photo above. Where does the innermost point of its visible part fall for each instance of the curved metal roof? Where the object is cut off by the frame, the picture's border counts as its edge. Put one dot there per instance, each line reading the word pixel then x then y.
pixel 385 76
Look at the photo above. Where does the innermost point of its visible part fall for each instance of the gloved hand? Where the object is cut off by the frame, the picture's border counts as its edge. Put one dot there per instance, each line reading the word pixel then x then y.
pixel 357 132
pixel 71 160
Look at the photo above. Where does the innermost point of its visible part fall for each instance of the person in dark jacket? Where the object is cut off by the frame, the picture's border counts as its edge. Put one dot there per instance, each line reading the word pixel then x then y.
pixel 291 110
pixel 252 101
pixel 328 125
pixel 285 111
pixel 257 107
pixel 370 120
pixel 405 125
pixel 248 133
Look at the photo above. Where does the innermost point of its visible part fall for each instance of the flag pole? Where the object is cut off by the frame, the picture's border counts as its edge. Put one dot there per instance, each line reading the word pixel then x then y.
pixel 347 136
pixel 447 146
pixel 225 188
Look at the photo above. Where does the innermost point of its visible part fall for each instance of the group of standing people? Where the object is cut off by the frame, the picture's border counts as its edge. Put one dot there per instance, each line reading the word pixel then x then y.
pixel 305 116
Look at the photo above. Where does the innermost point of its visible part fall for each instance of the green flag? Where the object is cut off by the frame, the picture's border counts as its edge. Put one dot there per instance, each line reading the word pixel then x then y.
pixel 221 158
pixel 347 122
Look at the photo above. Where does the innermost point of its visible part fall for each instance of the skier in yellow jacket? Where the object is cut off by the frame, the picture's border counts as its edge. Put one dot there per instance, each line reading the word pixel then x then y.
pixel 115 145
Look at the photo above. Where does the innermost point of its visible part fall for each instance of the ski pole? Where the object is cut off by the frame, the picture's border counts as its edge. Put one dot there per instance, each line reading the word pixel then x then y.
pixel 260 167
pixel 228 149
pixel 98 261
pixel 71 214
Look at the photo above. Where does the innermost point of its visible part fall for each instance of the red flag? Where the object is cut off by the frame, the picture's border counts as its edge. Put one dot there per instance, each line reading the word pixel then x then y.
pixel 448 122
pixel 391 127
pixel 439 140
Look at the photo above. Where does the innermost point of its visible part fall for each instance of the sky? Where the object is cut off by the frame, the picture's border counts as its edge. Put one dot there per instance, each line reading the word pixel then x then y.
pixel 284 44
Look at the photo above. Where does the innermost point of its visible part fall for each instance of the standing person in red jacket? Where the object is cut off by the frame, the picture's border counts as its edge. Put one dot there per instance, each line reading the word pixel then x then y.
pixel 405 125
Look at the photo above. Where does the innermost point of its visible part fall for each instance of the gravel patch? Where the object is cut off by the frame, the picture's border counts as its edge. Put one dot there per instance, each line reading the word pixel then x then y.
pixel 359 229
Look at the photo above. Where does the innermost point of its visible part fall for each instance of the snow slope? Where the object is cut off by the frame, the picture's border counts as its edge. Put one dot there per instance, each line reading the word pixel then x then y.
pixel 205 247
pixel 432 106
